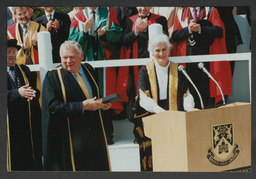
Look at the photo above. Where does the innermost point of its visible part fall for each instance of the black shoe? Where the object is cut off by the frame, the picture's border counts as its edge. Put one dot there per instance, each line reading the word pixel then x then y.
pixel 120 116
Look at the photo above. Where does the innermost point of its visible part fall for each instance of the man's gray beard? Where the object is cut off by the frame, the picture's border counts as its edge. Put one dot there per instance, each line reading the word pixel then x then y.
pixel 24 22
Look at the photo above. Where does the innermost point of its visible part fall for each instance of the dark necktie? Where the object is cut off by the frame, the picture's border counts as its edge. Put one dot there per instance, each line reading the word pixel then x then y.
pixel 25 29
pixel 50 17
pixel 92 28
pixel 13 74
pixel 145 17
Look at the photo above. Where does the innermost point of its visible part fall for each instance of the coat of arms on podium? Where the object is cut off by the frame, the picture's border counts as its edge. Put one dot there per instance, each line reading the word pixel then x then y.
pixel 223 150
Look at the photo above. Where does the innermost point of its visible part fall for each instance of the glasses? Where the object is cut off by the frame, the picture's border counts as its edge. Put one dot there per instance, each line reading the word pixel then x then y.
pixel 12 52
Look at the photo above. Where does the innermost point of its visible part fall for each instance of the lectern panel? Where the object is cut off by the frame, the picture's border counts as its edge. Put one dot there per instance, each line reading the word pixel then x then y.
pixel 216 139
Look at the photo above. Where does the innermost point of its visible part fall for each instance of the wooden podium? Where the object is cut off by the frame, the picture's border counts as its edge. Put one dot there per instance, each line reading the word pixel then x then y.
pixel 217 139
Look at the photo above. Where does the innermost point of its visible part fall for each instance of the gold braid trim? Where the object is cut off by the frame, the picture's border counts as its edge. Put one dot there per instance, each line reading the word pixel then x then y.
pixel 150 161
pixel 173 86
pixel 135 116
pixel 145 145
pixel 140 132
pixel 185 94
pixel 144 163
pixel 69 132
pixel 57 68
pixel 29 111
pixel 152 79
pixel 102 126
pixel 147 93
pixel 8 145
pixel 136 98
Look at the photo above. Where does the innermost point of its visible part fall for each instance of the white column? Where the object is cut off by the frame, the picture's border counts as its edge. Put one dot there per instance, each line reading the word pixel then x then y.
pixel 45 53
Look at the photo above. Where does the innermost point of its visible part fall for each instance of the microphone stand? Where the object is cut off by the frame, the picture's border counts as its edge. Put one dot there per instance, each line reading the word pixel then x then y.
pixel 181 68
pixel 201 66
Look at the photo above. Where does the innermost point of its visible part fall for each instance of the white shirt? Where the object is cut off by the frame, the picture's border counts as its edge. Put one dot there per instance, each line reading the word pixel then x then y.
pixel 96 14
pixel 162 78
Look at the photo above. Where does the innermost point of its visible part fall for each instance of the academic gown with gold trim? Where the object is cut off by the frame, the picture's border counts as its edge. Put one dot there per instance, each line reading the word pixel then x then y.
pixel 24 135
pixel 149 85
pixel 87 135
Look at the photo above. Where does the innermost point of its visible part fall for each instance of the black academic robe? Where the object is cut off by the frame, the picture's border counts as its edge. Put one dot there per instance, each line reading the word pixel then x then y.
pixel 24 135
pixel 73 139
pixel 123 13
pixel 149 85
pixel 57 37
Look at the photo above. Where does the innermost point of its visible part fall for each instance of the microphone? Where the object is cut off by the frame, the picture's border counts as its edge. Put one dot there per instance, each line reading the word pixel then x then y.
pixel 201 66
pixel 181 68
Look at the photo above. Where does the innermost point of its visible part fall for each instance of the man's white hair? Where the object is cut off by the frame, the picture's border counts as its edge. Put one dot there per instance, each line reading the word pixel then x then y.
pixel 68 44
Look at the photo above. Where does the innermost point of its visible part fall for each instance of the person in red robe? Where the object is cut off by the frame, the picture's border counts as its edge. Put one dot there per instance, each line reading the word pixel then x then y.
pixel 200 31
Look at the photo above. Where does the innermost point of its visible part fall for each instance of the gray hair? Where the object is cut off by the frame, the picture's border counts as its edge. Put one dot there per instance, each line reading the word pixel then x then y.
pixel 158 39
pixel 68 44
pixel 18 7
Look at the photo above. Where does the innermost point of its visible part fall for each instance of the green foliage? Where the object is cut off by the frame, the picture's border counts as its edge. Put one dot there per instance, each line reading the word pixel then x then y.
pixel 38 11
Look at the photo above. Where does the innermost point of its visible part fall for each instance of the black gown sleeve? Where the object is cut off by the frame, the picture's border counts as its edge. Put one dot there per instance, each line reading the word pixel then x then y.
pixel 208 34
pixel 129 36
pixel 180 35
pixel 143 84
pixel 54 99
pixel 12 95
pixel 33 85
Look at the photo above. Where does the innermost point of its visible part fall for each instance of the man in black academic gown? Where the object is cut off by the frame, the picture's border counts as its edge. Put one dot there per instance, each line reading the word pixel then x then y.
pixel 58 25
pixel 73 133
pixel 24 149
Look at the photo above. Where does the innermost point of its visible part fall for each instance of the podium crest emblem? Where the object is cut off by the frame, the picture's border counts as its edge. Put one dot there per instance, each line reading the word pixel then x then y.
pixel 223 150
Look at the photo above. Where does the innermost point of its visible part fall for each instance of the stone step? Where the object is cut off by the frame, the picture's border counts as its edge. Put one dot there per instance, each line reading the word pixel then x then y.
pixel 124 154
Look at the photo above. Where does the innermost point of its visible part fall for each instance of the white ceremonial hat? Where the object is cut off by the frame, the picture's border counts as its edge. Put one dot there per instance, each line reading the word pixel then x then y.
pixel 154 29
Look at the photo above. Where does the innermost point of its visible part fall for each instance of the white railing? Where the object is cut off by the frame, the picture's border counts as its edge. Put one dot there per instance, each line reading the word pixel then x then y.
pixel 143 61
